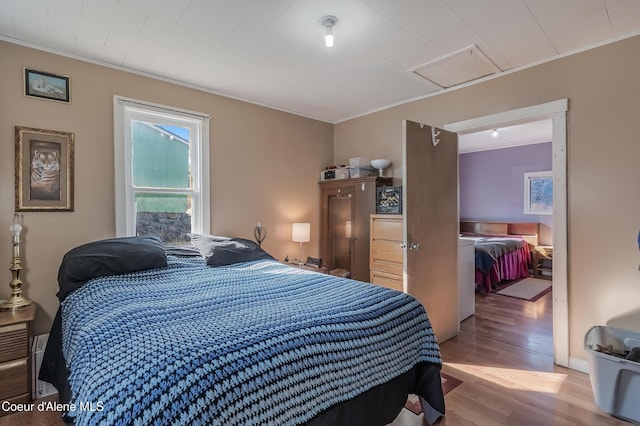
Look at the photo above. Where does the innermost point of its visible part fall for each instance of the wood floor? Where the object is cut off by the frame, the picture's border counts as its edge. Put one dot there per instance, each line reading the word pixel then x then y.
pixel 503 354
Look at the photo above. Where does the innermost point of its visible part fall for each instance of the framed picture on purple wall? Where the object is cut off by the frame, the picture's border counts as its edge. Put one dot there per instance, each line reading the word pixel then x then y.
pixel 538 193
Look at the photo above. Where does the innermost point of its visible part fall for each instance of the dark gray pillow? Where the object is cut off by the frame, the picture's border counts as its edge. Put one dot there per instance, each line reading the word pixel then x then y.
pixel 109 257
pixel 220 251
pixel 182 251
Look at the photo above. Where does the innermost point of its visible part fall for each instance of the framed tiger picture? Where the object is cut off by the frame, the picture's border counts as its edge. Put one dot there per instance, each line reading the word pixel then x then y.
pixel 44 170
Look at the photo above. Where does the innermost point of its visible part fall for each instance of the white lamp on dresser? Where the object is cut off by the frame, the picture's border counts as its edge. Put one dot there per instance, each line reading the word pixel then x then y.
pixel 301 233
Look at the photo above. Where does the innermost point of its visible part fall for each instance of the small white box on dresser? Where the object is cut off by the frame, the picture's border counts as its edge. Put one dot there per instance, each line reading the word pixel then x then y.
pixel 334 174
pixel 359 162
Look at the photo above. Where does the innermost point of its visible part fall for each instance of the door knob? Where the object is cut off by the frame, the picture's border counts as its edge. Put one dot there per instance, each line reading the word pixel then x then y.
pixel 414 246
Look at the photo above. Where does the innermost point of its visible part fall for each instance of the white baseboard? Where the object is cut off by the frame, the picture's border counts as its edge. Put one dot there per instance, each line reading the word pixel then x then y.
pixel 579 365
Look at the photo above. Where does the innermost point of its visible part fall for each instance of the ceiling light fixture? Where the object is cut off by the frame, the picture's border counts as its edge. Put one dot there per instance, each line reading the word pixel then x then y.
pixel 328 23
pixel 495 133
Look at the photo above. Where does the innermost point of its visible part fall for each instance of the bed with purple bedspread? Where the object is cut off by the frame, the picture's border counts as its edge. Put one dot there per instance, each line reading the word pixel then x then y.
pixel 498 259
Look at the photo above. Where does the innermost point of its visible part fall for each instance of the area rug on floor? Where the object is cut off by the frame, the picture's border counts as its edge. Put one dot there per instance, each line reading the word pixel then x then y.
pixel 448 383
pixel 530 289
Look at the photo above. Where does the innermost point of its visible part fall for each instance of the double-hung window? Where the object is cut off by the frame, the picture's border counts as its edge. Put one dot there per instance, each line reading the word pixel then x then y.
pixel 161 171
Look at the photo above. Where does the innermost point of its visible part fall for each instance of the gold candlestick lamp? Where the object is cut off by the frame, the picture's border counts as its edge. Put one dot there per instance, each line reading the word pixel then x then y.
pixel 16 301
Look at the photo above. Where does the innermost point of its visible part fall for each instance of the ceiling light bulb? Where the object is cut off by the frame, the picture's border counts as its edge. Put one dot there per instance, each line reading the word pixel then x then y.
pixel 328 37
pixel 495 133
pixel 328 22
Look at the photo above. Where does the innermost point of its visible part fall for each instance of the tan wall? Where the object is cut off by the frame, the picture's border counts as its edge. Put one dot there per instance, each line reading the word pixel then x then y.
pixel 603 152
pixel 264 165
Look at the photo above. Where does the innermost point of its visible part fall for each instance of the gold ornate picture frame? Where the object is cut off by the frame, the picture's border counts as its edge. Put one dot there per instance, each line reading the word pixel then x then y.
pixel 44 170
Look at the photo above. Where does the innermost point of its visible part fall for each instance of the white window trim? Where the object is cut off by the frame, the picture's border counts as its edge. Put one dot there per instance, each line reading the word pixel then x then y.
pixel 123 110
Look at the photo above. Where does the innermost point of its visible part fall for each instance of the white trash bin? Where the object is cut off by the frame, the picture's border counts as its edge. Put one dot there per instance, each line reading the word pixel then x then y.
pixel 615 380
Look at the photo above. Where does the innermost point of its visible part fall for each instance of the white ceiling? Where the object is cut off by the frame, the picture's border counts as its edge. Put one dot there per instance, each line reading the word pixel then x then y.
pixel 508 137
pixel 271 52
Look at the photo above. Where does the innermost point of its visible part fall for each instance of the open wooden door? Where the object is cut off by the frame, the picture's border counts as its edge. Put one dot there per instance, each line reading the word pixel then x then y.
pixel 430 206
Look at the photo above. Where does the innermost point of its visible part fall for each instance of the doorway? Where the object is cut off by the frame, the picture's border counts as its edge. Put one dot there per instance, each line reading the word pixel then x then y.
pixel 556 111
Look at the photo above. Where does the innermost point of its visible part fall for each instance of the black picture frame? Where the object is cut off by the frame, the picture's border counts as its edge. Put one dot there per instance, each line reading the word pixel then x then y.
pixel 44 85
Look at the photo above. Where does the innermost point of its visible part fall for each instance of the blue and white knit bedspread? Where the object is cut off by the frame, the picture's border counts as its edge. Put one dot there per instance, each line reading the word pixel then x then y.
pixel 249 344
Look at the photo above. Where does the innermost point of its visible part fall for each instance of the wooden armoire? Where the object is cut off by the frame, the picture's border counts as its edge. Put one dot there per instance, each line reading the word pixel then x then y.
pixel 344 224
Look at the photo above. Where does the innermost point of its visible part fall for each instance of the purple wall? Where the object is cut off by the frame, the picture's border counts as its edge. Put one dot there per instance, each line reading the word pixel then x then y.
pixel 492 185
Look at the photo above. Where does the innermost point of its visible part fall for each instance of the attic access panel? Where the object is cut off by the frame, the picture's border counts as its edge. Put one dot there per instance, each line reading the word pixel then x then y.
pixel 459 67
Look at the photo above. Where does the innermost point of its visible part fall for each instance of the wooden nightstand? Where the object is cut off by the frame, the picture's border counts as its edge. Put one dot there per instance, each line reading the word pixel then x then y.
pixel 542 259
pixel 15 331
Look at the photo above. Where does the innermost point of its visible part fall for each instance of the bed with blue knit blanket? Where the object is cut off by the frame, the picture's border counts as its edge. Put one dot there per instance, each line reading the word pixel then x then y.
pixel 253 342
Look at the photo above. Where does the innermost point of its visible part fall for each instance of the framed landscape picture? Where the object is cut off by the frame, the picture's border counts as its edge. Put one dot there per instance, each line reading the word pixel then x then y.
pixel 538 193
pixel 44 170
pixel 44 85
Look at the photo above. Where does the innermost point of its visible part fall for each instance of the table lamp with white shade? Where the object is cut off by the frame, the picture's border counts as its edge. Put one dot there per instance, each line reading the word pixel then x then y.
pixel 301 233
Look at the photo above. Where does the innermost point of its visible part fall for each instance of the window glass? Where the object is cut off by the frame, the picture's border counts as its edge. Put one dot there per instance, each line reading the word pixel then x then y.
pixel 162 171
pixel 165 215
pixel 160 155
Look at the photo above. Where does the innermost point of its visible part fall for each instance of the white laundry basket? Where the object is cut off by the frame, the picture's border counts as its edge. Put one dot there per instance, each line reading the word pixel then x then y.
pixel 615 381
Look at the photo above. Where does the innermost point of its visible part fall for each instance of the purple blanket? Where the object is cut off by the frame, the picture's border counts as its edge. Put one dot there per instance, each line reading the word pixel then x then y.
pixel 489 249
